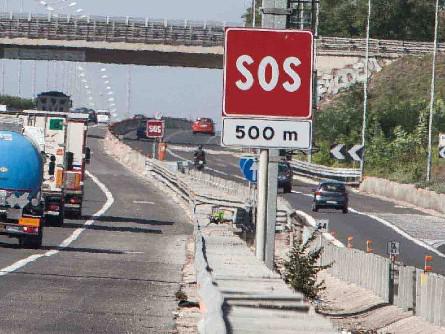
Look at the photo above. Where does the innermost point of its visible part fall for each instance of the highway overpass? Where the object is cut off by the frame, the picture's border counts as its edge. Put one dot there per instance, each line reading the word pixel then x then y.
pixel 153 42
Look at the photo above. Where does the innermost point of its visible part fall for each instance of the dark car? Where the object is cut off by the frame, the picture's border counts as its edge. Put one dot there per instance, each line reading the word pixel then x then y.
pixel 285 177
pixel 141 130
pixel 330 194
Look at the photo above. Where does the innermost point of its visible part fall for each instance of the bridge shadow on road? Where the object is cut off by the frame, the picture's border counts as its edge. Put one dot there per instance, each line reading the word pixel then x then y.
pixel 113 219
pixel 108 228
pixel 68 249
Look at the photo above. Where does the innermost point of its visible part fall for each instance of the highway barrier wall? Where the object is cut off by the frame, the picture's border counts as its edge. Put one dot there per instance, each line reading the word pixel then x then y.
pixel 404 192
pixel 430 297
pixel 407 287
pixel 367 270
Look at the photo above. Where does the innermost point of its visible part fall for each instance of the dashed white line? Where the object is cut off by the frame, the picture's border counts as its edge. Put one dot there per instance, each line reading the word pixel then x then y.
pixel 65 243
pixel 144 202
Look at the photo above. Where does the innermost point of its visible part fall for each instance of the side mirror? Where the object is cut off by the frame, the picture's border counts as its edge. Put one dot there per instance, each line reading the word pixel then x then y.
pixel 52 165
pixel 87 155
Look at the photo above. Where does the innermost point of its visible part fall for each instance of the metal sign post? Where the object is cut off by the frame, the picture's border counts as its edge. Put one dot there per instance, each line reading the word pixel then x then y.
pixel 268 76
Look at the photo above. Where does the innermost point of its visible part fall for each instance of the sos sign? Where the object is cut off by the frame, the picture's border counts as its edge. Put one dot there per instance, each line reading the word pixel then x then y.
pixel 155 128
pixel 268 73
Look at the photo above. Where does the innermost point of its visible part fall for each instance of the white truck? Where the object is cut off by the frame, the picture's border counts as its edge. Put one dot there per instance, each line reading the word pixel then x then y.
pixel 77 155
pixel 49 131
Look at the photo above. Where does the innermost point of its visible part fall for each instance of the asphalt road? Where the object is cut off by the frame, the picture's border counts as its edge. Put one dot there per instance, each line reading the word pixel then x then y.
pixel 362 223
pixel 114 273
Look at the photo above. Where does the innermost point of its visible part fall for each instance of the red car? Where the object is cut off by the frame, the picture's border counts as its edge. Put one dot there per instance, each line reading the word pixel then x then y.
pixel 203 125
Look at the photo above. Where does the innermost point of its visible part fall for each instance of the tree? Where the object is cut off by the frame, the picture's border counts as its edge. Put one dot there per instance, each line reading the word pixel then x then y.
pixel 17 103
pixel 247 16
pixel 301 269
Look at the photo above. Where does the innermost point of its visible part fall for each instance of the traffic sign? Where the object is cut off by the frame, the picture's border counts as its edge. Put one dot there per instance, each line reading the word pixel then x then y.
pixel 338 151
pixel 356 152
pixel 442 152
pixel 249 168
pixel 393 248
pixel 268 73
pixel 323 225
pixel 155 128
pixel 267 133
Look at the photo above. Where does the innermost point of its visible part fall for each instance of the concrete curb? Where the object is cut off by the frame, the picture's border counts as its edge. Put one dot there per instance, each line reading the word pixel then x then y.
pixel 211 299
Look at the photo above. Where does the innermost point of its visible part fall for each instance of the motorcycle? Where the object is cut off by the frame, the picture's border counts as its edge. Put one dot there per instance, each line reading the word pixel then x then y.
pixel 199 164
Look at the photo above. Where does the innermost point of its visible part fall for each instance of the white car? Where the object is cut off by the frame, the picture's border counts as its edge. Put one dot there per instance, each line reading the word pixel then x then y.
pixel 103 117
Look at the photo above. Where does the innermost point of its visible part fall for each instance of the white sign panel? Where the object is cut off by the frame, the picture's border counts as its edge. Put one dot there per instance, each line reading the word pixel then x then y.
pixel 267 133
pixel 441 139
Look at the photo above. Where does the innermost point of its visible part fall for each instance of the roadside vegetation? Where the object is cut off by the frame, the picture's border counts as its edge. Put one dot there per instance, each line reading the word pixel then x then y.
pixel 301 268
pixel 16 103
pixel 391 19
pixel 397 129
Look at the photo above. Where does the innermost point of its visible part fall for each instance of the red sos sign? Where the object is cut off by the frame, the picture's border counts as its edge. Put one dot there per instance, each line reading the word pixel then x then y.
pixel 268 73
pixel 155 128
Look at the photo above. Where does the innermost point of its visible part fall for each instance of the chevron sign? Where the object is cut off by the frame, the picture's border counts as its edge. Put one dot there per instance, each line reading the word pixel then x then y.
pixel 340 152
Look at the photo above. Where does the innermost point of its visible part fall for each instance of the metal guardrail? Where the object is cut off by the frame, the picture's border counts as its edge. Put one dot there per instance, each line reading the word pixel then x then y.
pixel 173 32
pixel 348 175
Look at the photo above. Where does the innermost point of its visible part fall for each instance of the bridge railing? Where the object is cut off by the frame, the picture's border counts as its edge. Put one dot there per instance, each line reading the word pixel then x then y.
pixel 173 32
pixel 105 29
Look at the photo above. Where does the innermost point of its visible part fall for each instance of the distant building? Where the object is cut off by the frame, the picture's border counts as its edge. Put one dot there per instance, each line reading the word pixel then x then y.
pixel 53 101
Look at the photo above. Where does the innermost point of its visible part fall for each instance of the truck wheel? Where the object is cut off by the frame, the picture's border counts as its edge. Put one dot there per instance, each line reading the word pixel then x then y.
pixel 34 242
pixel 60 219
pixel 287 188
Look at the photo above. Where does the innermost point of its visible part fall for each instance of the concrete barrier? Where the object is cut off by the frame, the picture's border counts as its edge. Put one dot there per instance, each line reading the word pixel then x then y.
pixel 430 297
pixel 366 270
pixel 404 192
pixel 404 292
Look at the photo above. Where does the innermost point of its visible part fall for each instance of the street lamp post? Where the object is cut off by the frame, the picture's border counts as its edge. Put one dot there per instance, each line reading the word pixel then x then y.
pixel 433 88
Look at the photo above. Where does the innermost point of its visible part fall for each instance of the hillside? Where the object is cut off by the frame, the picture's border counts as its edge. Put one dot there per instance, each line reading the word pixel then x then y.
pixel 397 128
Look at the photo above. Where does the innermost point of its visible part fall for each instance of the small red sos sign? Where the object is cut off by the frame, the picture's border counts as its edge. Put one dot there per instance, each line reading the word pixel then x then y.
pixel 155 128
pixel 268 73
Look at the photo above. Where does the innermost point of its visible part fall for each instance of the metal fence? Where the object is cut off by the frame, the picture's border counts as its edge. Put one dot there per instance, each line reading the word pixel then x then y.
pixel 173 32
pixel 348 175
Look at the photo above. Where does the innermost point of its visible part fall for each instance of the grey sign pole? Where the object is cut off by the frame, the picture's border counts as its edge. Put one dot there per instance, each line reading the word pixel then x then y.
pixel 274 15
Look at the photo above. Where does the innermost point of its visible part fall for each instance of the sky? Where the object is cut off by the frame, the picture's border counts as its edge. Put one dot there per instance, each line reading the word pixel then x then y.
pixel 173 91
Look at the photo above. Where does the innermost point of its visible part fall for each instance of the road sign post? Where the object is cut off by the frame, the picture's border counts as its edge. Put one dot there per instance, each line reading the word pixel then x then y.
pixel 268 103
pixel 155 129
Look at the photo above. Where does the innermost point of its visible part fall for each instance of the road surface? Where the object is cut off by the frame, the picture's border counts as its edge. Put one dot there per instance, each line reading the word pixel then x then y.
pixel 114 273
pixel 369 218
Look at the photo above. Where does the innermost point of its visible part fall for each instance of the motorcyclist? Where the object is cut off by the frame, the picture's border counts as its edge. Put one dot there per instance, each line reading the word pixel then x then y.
pixel 199 155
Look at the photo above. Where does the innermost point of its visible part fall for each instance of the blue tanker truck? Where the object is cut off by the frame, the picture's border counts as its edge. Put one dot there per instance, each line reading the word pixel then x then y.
pixel 21 172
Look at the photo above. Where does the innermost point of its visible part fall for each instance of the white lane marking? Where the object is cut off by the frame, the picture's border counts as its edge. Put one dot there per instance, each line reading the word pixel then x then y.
pixel 401 232
pixel 65 243
pixel 391 226
pixel 144 202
